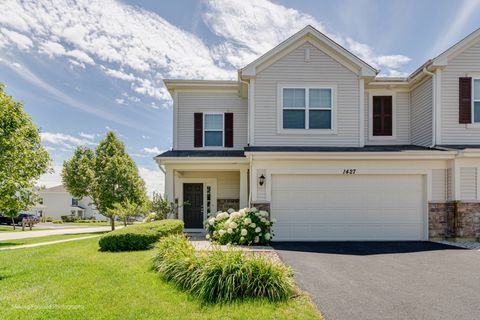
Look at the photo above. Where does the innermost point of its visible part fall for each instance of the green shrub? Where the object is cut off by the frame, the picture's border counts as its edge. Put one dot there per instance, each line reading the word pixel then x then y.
pixel 140 236
pixel 221 276
pixel 247 226
pixel 57 221
pixel 48 219
pixel 70 218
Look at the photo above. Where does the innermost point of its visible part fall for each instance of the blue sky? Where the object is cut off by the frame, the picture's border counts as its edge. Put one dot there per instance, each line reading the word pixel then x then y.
pixel 85 68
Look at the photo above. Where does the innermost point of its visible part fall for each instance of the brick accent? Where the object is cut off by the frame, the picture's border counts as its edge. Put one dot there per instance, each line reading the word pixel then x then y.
pixel 225 204
pixel 454 219
pixel 262 206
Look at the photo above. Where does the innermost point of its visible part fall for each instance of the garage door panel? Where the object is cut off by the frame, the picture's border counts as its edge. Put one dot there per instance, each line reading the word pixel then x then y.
pixel 360 207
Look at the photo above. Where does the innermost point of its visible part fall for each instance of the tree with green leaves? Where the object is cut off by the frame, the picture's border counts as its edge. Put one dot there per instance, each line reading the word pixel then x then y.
pixel 107 174
pixel 128 209
pixel 22 158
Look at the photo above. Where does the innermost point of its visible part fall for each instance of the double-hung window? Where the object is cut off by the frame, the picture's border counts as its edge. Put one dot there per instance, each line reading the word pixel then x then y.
pixel 213 129
pixel 307 108
pixel 476 100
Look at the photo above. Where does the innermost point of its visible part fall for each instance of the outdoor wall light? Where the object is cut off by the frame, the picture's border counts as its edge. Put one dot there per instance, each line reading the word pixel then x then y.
pixel 261 180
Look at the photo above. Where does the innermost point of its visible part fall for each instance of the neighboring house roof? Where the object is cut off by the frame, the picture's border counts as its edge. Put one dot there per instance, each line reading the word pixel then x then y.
pixel 310 32
pixel 59 188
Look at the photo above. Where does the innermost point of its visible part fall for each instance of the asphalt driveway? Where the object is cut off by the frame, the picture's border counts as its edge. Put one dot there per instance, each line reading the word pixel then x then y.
pixel 387 280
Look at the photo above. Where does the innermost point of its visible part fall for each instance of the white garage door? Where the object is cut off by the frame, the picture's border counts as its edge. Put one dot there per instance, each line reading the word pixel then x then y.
pixel 348 207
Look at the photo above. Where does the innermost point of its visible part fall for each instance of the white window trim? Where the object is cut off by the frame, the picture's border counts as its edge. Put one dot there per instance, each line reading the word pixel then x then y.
pixel 393 94
pixel 205 130
pixel 307 86
pixel 476 124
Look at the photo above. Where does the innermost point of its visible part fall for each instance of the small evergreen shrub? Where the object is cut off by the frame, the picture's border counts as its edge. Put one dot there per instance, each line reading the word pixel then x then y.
pixel 70 218
pixel 140 236
pixel 221 276
pixel 247 226
pixel 57 221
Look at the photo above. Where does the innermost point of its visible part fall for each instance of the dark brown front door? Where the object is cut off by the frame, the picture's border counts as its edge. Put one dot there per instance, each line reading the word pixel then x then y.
pixel 193 211
pixel 382 116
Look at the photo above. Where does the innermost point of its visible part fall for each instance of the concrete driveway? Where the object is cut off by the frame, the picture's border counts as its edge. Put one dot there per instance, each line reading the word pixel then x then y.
pixel 52 232
pixel 387 280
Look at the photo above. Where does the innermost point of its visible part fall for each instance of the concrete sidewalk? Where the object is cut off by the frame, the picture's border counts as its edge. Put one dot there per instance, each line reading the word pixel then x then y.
pixel 43 233
pixel 45 243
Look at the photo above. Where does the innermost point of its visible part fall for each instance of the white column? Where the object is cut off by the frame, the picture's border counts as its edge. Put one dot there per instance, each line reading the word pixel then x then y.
pixel 169 185
pixel 361 115
pixel 243 188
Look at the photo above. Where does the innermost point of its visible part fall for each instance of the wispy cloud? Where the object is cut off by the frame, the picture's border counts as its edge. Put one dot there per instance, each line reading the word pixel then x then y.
pixel 89 136
pixel 455 26
pixel 66 140
pixel 154 150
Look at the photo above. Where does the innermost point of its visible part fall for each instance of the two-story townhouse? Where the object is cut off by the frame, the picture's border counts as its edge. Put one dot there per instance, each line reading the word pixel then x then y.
pixel 333 151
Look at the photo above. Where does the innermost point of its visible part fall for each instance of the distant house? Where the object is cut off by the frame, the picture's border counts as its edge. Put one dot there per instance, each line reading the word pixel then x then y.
pixel 57 201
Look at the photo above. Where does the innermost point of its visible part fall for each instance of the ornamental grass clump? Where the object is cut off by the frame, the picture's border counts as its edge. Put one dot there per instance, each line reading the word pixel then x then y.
pixel 221 276
pixel 246 227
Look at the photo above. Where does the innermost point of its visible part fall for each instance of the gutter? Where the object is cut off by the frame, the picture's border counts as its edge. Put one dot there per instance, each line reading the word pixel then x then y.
pixel 434 105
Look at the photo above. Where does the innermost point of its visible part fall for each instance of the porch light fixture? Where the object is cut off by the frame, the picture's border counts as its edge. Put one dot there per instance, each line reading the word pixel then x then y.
pixel 261 180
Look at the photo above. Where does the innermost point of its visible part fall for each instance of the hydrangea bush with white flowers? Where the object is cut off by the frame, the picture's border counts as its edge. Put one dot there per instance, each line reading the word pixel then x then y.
pixel 247 226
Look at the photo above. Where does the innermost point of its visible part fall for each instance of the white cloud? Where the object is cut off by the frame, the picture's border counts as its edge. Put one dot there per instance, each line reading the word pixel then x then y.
pixel 154 180
pixel 146 137
pixel 252 27
pixel 89 136
pixel 53 49
pixel 20 40
pixel 120 101
pixel 52 179
pixel 119 74
pixel 154 150
pixel 62 139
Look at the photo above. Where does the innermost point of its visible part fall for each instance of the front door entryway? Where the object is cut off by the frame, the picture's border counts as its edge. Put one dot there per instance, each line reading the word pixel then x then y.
pixel 193 209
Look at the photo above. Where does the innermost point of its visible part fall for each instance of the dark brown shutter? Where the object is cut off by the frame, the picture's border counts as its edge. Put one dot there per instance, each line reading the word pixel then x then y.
pixel 229 130
pixel 465 100
pixel 198 130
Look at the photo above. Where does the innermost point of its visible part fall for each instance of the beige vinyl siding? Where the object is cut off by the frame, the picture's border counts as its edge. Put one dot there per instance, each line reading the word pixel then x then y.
pixel 191 102
pixel 439 184
pixel 453 132
pixel 402 119
pixel 293 68
pixel 228 182
pixel 421 114
pixel 468 183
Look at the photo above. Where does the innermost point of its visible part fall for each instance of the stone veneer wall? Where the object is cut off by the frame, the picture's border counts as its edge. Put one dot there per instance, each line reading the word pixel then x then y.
pixel 454 219
pixel 225 204
pixel 262 206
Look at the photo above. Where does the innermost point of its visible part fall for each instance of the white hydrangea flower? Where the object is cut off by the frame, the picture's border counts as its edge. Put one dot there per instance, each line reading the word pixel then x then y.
pixel 221 232
pixel 242 238
pixel 241 211
pixel 244 232
pixel 273 220
pixel 267 236
pixel 207 236
pixel 263 220
pixel 211 221
pixel 253 225
pixel 264 213
pixel 258 230
pixel 254 209
pixel 256 240
pixel 247 221
pixel 233 225
pixel 230 210
pixel 229 230
pixel 215 232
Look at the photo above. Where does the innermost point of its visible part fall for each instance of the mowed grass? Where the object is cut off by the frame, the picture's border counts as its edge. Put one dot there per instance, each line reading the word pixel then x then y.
pixel 18 228
pixel 18 242
pixel 74 280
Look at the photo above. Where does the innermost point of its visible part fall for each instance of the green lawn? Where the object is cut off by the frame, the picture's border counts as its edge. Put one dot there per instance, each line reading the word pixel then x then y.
pixel 17 228
pixel 18 242
pixel 74 280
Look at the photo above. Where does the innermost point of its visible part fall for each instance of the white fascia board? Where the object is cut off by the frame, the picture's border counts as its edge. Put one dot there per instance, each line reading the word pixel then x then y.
pixel 213 160
pixel 421 155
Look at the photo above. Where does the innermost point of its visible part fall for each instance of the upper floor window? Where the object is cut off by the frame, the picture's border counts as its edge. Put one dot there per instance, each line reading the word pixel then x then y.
pixel 382 116
pixel 307 108
pixel 213 129
pixel 476 100
pixel 74 202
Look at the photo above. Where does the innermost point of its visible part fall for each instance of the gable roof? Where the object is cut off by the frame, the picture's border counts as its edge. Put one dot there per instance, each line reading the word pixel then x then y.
pixel 364 68
pixel 443 58
pixel 59 188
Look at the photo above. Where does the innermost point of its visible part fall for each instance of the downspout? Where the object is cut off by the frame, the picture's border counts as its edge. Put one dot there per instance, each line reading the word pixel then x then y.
pixel 248 109
pixel 434 106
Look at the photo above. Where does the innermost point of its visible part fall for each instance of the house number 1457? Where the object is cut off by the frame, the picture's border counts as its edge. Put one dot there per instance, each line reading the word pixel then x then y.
pixel 349 171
